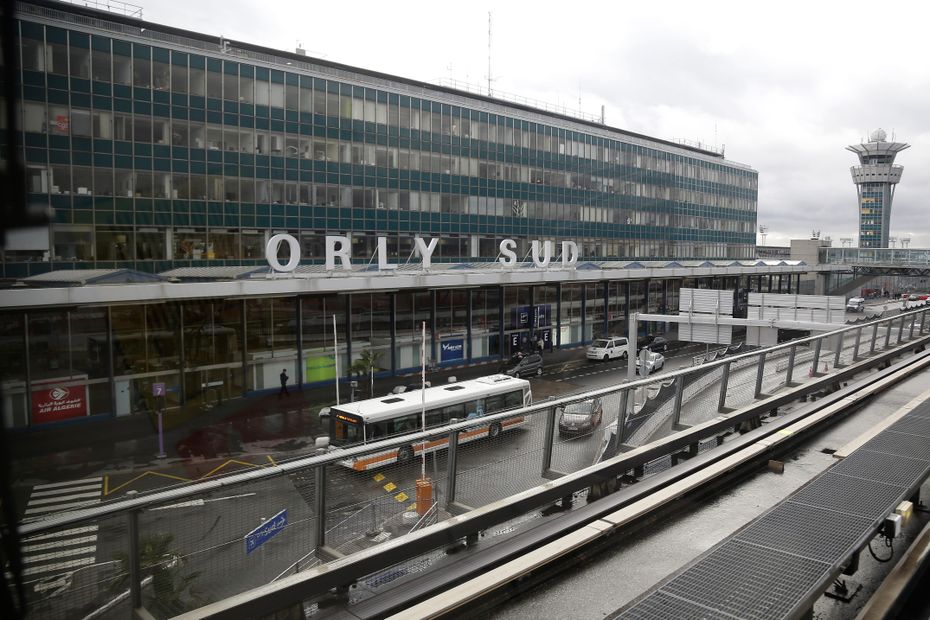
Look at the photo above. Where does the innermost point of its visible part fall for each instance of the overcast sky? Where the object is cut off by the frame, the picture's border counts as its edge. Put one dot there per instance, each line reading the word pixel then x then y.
pixel 784 85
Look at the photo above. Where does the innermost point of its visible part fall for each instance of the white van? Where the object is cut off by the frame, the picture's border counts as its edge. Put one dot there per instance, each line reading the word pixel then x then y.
pixel 855 304
pixel 607 348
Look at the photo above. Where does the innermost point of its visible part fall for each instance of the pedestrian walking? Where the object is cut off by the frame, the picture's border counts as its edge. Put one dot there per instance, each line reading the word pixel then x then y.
pixel 283 391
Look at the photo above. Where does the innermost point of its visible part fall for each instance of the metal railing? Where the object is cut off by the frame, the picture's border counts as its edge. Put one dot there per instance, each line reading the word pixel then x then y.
pixel 334 512
pixel 875 256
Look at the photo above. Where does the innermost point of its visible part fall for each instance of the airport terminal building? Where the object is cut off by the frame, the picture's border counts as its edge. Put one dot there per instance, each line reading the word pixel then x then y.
pixel 169 158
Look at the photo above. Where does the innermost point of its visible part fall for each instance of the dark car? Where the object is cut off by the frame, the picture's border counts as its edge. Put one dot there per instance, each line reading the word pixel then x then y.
pixel 656 344
pixel 531 364
pixel 581 417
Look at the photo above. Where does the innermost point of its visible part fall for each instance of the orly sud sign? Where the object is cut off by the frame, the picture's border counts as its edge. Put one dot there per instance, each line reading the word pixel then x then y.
pixel 339 248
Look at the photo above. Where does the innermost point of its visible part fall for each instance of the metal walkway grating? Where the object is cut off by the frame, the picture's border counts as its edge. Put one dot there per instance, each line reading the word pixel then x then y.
pixel 779 564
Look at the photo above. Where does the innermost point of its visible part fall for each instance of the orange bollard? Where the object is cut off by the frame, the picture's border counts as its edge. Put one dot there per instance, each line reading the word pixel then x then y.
pixel 424 495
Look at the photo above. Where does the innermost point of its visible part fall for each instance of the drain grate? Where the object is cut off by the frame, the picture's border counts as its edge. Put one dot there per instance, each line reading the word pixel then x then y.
pixel 864 498
pixel 914 426
pixel 660 606
pixel 881 467
pixel 746 581
pixel 900 444
pixel 806 531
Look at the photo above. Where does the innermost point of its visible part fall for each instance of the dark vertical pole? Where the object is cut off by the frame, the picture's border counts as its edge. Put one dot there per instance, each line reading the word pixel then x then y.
pixel 501 302
pixel 111 369
pixel 182 355
pixel 393 318
pixel 606 323
pixel 319 505
pixel 558 315
pixel 584 311
pixel 245 350
pixel 432 327
pixel 299 318
pixel 724 381
pixel 452 467
pixel 28 360
pixel 790 372
pixel 468 314
pixel 547 442
pixel 348 335
pixel 760 372
pixel 534 318
pixel 626 304
pixel 679 392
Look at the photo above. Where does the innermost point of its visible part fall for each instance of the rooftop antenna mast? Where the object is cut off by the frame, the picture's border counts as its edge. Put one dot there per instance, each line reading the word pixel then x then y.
pixel 489 54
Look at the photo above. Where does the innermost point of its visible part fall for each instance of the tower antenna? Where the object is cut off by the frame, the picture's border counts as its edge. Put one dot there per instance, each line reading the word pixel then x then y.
pixel 489 54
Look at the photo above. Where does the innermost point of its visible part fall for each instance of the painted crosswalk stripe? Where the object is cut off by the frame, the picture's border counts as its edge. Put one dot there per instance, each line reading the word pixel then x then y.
pixel 58 544
pixel 62 533
pixel 61 553
pixel 62 498
pixel 51 492
pixel 53 485
pixel 60 507
pixel 58 567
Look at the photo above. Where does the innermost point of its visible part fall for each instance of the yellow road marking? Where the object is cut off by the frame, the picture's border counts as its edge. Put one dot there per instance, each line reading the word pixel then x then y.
pixel 143 475
pixel 271 460
pixel 412 506
pixel 379 477
pixel 216 469
pixel 390 486
pixel 401 497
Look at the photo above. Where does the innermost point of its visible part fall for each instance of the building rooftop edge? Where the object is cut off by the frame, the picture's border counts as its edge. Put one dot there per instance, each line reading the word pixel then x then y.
pixel 217 40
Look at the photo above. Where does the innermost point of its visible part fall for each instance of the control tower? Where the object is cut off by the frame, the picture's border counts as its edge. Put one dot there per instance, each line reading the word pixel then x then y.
pixel 875 178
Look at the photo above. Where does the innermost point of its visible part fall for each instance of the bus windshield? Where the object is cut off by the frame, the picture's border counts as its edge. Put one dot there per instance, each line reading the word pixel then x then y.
pixel 346 430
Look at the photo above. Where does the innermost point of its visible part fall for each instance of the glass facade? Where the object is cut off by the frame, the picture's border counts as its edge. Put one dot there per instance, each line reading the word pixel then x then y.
pixel 107 357
pixel 154 157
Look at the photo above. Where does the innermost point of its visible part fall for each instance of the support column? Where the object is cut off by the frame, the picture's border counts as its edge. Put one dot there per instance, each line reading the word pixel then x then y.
pixel 501 302
pixel 724 381
pixel 299 317
pixel 468 314
pixel 392 304
pixel 558 315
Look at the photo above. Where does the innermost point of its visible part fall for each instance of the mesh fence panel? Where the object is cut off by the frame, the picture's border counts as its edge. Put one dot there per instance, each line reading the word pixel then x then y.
pixel 75 571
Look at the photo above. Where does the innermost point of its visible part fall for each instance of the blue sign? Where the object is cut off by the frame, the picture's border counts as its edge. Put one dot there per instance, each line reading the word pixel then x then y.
pixel 530 316
pixel 265 532
pixel 158 389
pixel 451 350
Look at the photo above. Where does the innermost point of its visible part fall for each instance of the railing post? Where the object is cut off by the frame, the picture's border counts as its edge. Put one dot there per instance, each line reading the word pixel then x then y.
pixel 840 340
pixel 901 329
pixel 760 371
pixel 319 507
pixel 888 327
pixel 452 468
pixel 546 469
pixel 790 372
pixel 621 418
pixel 135 567
pixel 855 357
pixel 874 338
pixel 923 320
pixel 913 320
pixel 679 392
pixel 724 380
pixel 816 361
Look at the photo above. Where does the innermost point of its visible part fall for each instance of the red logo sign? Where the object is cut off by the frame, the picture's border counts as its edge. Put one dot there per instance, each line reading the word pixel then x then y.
pixel 58 403
pixel 62 123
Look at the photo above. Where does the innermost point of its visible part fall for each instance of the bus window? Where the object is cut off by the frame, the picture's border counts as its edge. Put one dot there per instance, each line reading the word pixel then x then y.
pixel 453 411
pixel 512 400
pixel 434 417
pixel 378 430
pixel 346 430
pixel 407 424
pixel 493 404
pixel 474 409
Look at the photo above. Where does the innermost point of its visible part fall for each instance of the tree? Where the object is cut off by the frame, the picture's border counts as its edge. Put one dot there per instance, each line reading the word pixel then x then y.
pixel 365 365
pixel 172 592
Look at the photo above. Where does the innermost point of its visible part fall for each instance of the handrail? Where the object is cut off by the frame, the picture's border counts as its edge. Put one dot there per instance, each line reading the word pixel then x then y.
pixel 99 511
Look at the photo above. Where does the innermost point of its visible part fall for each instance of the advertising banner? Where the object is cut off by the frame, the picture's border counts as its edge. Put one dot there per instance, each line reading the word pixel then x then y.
pixel 55 403
pixel 452 350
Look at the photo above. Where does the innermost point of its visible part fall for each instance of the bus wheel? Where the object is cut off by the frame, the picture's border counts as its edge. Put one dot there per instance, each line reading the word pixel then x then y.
pixel 494 431
pixel 405 454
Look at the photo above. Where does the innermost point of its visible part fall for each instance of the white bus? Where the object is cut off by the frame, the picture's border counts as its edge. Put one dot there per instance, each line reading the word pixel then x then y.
pixel 375 419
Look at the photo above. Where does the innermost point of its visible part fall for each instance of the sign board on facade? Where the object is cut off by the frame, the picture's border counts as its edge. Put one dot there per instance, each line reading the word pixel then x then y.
pixel 452 350
pixel 339 250
pixel 56 403
pixel 266 531
pixel 707 303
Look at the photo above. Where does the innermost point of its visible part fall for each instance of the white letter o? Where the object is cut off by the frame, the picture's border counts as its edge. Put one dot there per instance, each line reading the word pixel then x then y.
pixel 271 252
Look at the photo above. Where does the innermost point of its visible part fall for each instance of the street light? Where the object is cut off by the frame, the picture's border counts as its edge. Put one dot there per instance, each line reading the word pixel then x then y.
pixel 763 230
pixel 846 241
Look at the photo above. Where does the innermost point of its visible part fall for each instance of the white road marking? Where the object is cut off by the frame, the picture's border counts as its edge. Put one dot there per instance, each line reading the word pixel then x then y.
pixel 61 507
pixel 82 540
pixel 58 566
pixel 42 557
pixel 62 498
pixel 53 485
pixel 90 487
pixel 62 533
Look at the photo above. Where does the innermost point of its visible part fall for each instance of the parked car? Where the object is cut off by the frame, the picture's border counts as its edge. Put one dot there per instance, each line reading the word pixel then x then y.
pixel 607 348
pixel 581 417
pixel 654 363
pixel 855 304
pixel 656 344
pixel 530 364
